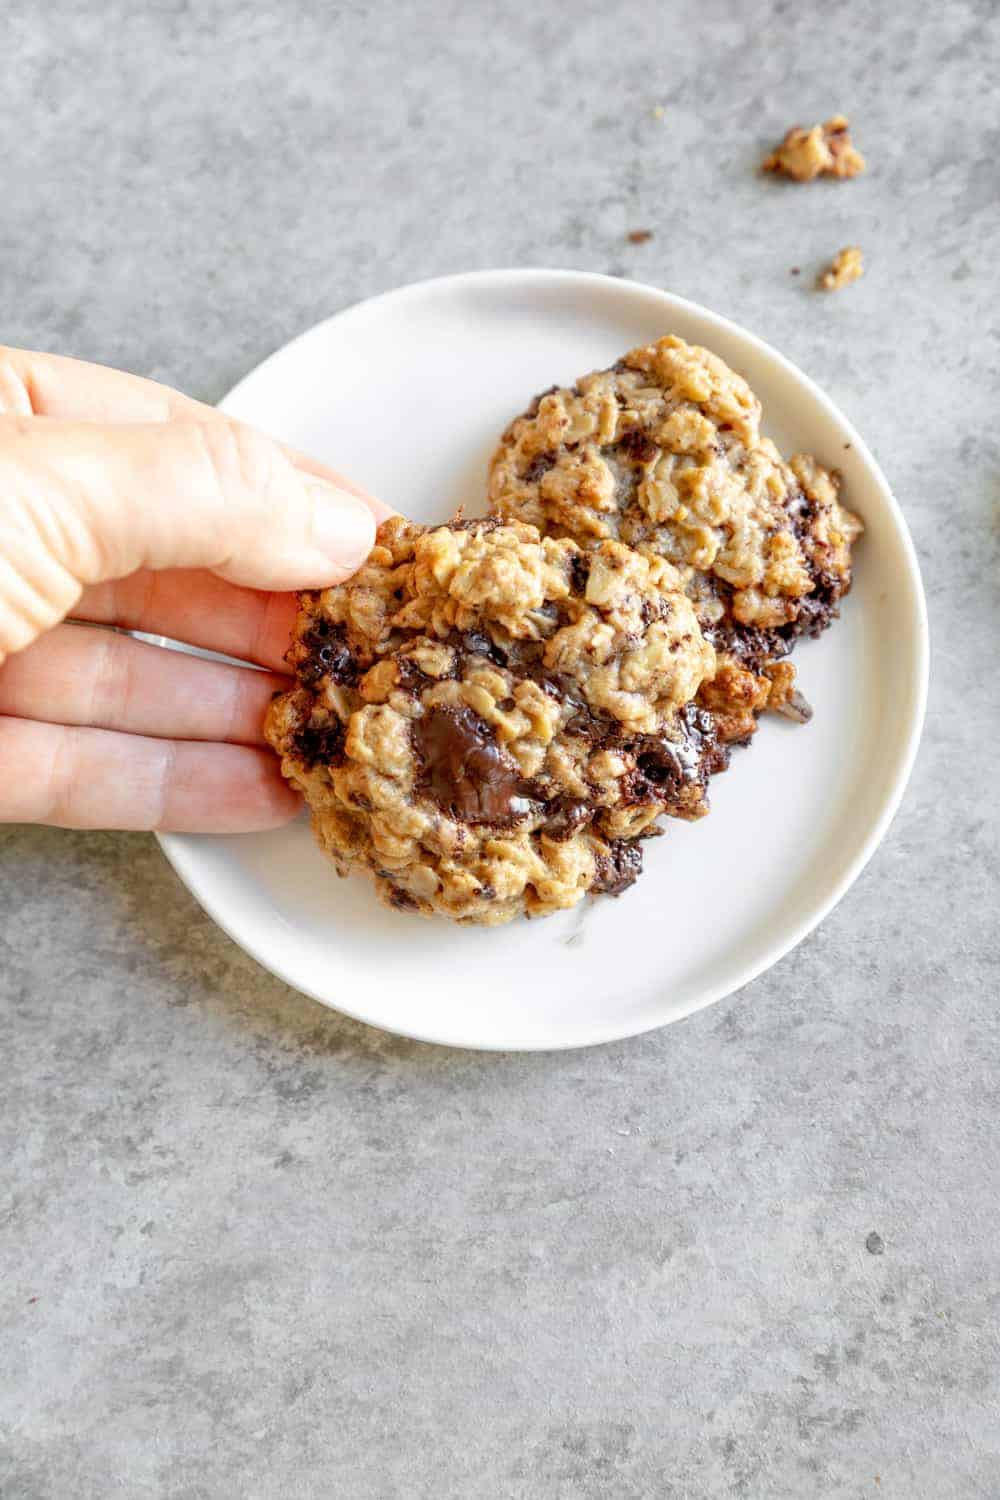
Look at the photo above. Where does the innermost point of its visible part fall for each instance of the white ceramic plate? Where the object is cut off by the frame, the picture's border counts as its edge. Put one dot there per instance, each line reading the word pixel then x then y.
pixel 408 393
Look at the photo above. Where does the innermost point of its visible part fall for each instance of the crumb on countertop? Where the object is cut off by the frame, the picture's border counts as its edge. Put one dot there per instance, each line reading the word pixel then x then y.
pixel 639 236
pixel 658 111
pixel 847 266
pixel 824 151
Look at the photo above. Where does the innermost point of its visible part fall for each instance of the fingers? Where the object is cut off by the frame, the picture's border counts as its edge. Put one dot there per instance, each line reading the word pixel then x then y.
pixel 81 504
pixel 78 676
pixel 95 778
pixel 50 385
pixel 199 608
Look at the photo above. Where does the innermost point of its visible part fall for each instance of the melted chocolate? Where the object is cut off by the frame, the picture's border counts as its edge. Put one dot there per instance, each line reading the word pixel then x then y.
pixel 816 610
pixel 746 644
pixel 565 816
pixel 329 656
pixel 409 676
pixel 478 643
pixel 465 771
pixel 617 869
pixel 320 744
pixel 665 766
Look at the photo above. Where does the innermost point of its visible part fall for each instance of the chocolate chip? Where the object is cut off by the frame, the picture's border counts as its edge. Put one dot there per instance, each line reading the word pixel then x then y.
pixel 587 727
pixel 579 572
pixel 799 511
pixel 320 744
pixel 409 677
pixel 699 730
pixel 665 766
pixel 750 647
pixel 817 609
pixel 618 868
pixel 329 655
pixel 402 900
pixel 477 643
pixel 540 464
pixel 660 765
pixel 565 816
pixel 637 446
pixel 465 771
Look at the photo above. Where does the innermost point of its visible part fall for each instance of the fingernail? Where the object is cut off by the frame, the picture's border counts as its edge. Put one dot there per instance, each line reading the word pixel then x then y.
pixel 343 525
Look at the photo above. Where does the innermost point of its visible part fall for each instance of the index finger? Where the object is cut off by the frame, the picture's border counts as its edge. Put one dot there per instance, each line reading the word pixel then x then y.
pixel 52 385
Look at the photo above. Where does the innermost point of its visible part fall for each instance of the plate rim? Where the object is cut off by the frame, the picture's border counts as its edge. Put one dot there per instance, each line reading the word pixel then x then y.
pixel 181 854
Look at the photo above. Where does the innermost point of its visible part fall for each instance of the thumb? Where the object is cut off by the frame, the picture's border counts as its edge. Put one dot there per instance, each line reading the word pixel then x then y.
pixel 83 503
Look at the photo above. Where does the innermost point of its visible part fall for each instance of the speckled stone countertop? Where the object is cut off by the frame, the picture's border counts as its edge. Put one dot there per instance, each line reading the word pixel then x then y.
pixel 252 1249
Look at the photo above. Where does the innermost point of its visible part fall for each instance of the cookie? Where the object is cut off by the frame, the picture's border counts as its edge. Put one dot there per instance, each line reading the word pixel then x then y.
pixel 489 722
pixel 664 453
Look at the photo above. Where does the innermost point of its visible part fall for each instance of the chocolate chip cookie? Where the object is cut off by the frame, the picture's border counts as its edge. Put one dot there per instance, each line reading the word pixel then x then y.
pixel 664 453
pixel 490 721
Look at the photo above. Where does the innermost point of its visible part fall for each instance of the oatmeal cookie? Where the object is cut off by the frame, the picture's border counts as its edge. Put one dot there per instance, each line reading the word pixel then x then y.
pixel 489 721
pixel 664 453
pixel 824 151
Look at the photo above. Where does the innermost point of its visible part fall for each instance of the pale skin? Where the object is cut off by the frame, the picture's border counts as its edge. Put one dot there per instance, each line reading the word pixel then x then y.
pixel 124 503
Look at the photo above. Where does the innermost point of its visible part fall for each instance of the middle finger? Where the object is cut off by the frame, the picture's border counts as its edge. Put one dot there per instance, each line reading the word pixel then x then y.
pixel 196 607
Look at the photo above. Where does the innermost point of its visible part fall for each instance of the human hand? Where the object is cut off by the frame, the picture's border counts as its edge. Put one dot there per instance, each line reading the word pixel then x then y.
pixel 123 503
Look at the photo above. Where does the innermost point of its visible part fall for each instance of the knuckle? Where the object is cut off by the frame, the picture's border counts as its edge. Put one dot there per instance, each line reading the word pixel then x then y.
pixel 111 681
pixel 34 596
pixel 16 399
pixel 242 461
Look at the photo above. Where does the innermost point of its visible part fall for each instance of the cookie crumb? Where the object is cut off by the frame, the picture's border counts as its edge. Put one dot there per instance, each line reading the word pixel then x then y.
pixel 847 266
pixel 874 1244
pixel 795 270
pixel 639 236
pixel 658 111
pixel 824 151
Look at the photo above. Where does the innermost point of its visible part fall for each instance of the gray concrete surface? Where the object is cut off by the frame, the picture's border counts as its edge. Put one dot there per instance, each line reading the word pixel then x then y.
pixel 252 1249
